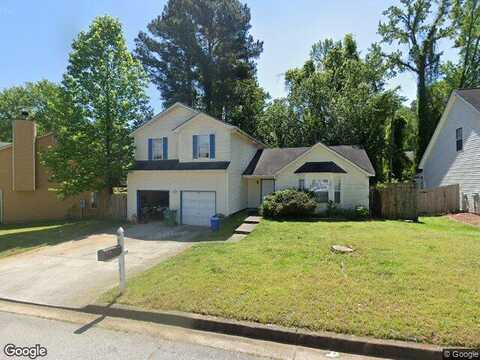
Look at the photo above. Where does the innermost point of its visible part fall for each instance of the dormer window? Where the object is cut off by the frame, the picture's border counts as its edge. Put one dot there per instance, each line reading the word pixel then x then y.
pixel 459 139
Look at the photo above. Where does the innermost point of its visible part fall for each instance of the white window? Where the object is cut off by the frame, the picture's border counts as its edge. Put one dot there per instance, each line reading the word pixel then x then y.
pixel 157 149
pixel 338 190
pixel 459 138
pixel 301 184
pixel 203 146
pixel 320 188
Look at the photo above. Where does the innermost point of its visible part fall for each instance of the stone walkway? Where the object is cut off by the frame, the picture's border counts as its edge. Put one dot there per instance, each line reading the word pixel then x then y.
pixel 249 224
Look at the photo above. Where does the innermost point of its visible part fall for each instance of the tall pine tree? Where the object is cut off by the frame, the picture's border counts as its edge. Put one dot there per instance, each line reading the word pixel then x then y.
pixel 201 53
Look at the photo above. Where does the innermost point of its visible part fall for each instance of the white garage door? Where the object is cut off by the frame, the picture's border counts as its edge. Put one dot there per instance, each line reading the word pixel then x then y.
pixel 198 207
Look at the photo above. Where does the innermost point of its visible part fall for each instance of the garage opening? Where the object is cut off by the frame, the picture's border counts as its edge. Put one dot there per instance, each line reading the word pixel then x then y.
pixel 151 204
pixel 198 207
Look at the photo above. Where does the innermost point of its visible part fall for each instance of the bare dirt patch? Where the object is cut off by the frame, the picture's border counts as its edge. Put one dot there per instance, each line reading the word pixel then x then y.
pixel 466 218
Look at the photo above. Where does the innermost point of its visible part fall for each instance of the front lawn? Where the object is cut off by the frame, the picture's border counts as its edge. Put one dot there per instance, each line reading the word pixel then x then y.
pixel 417 282
pixel 15 239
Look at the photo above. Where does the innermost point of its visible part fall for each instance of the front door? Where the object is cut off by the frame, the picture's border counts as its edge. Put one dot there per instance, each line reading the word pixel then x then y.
pixel 268 187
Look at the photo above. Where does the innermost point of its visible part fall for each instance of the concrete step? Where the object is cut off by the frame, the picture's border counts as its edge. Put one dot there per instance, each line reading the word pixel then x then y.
pixel 236 237
pixel 245 228
pixel 253 219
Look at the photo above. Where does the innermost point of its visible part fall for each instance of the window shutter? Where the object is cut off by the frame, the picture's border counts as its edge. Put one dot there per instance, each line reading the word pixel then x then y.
pixel 150 149
pixel 165 148
pixel 212 146
pixel 194 146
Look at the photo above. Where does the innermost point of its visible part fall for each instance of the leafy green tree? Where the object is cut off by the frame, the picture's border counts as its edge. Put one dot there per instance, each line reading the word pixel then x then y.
pixel 197 52
pixel 397 137
pixel 339 97
pixel 246 105
pixel 41 99
pixel 465 17
pixel 418 25
pixel 278 125
pixel 105 92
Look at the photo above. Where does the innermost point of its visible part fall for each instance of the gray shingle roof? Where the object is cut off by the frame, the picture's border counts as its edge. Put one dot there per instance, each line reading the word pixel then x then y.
pixel 472 96
pixel 268 162
pixel 356 155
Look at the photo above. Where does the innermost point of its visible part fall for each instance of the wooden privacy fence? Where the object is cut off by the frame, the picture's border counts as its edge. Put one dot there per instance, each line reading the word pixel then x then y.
pixel 406 201
pixel 117 208
pixel 441 200
pixel 110 206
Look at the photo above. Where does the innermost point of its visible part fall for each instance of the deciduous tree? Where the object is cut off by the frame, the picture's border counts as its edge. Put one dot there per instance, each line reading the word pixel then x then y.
pixel 105 92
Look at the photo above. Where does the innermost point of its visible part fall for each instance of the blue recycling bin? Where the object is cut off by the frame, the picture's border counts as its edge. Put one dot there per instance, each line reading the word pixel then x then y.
pixel 215 223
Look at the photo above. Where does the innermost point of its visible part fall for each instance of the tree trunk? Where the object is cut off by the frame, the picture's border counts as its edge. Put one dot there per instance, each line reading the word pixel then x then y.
pixel 423 114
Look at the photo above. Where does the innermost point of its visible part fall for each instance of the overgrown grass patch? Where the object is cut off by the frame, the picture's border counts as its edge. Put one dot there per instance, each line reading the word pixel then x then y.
pixel 408 281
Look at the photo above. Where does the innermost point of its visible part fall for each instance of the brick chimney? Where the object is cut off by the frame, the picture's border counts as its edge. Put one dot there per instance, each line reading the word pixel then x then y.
pixel 23 155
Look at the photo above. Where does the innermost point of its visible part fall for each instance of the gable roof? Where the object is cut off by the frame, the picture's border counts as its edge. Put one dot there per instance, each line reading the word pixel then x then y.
pixel 470 97
pixel 162 113
pixel 193 116
pixel 268 162
pixel 356 155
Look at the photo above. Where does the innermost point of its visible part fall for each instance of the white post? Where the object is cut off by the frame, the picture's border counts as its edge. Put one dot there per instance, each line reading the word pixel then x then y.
pixel 121 259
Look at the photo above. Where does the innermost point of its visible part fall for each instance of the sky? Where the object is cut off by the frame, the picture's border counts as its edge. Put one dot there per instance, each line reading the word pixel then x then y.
pixel 36 36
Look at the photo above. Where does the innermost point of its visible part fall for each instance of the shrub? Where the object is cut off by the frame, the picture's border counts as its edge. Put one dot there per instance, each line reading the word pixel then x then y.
pixel 288 203
pixel 359 213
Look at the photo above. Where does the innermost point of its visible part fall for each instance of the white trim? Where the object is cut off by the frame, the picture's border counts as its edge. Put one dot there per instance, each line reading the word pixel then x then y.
pixel 159 115
pixel 319 144
pixel 451 101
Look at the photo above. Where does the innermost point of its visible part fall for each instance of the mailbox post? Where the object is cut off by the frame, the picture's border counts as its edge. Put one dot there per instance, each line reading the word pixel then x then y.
pixel 116 251
pixel 121 259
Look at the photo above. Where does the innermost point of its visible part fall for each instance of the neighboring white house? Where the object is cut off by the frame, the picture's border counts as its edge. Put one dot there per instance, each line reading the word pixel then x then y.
pixel 452 156
pixel 200 166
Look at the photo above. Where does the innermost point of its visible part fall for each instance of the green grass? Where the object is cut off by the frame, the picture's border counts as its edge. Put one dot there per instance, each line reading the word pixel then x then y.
pixel 15 239
pixel 228 226
pixel 407 281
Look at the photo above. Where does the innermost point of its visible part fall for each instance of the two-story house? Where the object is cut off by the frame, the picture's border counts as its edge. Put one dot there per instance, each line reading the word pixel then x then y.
pixel 201 166
pixel 452 155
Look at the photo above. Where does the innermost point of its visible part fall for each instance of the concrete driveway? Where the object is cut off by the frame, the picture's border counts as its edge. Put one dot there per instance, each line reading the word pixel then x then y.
pixel 69 274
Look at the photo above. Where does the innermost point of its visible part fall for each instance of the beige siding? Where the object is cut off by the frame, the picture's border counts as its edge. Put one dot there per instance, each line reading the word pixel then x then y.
pixel 162 128
pixel 204 125
pixel 446 166
pixel 175 182
pixel 242 152
pixel 355 183
pixel 41 204
pixel 24 135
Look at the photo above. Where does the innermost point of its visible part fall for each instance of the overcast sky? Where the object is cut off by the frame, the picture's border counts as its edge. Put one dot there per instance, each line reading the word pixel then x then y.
pixel 36 35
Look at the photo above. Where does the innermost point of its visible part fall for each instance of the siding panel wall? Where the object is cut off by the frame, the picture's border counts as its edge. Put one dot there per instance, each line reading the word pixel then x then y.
pixel 446 166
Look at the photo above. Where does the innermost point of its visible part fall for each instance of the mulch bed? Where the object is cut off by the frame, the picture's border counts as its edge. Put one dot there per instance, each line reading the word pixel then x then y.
pixel 466 218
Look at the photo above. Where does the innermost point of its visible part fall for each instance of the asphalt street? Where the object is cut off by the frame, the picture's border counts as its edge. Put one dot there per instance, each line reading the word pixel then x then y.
pixel 62 342
pixel 73 335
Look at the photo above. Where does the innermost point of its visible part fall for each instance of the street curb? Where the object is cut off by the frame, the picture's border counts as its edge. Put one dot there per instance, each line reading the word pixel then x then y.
pixel 320 340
